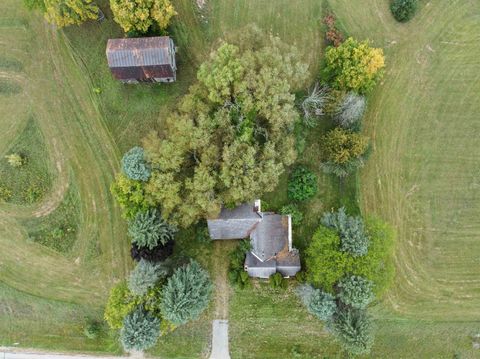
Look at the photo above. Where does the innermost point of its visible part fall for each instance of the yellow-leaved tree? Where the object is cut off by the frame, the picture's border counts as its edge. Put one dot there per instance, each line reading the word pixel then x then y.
pixel 140 15
pixel 70 12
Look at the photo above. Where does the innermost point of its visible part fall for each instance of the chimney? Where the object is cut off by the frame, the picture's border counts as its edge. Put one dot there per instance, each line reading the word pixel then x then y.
pixel 290 247
pixel 257 206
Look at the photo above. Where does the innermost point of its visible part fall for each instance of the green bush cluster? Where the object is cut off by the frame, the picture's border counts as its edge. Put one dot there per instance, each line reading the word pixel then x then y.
pixel 403 10
pixel 277 281
pixel 294 212
pixel 92 329
pixel 302 184
pixel 355 291
pixel 236 272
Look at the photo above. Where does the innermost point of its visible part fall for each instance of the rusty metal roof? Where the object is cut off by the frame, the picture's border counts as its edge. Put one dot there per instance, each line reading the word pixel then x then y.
pixel 145 51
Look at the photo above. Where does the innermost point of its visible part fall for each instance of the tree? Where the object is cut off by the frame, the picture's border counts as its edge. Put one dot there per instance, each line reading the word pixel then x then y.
pixel 140 330
pixel 350 111
pixel 302 184
pixel 355 291
pixel 120 302
pixel 320 304
pixel 313 105
pixel 403 10
pixel 157 254
pixel 350 229
pixel 232 135
pixel 354 66
pixel 343 151
pixel 148 229
pixel 130 195
pixel 353 329
pixel 135 166
pixel 145 276
pixel 140 15
pixel 186 294
pixel 70 12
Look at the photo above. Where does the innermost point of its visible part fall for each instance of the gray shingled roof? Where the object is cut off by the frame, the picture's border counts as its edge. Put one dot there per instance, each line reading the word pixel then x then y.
pixel 270 236
pixel 146 51
pixel 236 223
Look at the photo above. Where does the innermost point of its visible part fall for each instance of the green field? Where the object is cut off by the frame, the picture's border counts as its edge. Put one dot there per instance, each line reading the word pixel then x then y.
pixel 61 108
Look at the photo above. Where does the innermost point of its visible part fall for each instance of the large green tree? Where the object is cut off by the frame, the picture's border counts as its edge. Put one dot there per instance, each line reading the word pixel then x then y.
pixel 232 135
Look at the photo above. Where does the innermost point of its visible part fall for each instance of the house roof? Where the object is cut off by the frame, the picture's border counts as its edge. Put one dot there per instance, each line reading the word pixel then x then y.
pixel 145 51
pixel 270 236
pixel 236 223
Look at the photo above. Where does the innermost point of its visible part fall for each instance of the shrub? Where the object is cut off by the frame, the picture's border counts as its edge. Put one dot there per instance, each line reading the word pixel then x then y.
pixel 403 10
pixel 157 254
pixel 350 111
pixel 333 35
pixel 343 151
pixel 355 291
pixel 15 160
pixel 92 329
pixel 130 195
pixel 5 193
pixel 35 5
pixel 149 230
pixel 294 212
pixel 350 229
pixel 277 281
pixel 135 166
pixel 186 294
pixel 313 105
pixel 353 329
pixel 138 16
pixel 320 304
pixel 145 276
pixel 326 264
pixel 140 330
pixel 302 184
pixel 236 273
pixel 354 66
pixel 120 302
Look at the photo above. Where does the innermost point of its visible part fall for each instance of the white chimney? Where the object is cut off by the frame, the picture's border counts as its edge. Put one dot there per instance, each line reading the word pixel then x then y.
pixel 290 233
pixel 257 205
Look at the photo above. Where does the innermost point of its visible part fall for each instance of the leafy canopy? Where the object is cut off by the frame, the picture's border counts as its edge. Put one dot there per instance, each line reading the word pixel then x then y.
pixel 70 12
pixel 350 229
pixel 140 330
pixel 135 166
pixel 355 291
pixel 186 294
pixel 403 10
pixel 130 195
pixel 354 65
pixel 148 229
pixel 341 146
pixel 302 184
pixel 232 135
pixel 140 15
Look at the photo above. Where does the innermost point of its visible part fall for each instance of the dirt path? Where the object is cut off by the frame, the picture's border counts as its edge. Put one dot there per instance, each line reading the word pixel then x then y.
pixel 221 249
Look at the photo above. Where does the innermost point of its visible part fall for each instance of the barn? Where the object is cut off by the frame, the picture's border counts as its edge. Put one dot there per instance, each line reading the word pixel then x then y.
pixel 147 59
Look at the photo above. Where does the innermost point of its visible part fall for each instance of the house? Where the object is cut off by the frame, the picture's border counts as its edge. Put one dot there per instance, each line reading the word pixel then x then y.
pixel 270 237
pixel 147 59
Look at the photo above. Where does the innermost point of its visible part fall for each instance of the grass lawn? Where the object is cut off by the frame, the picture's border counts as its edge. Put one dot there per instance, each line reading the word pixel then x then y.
pixel 421 177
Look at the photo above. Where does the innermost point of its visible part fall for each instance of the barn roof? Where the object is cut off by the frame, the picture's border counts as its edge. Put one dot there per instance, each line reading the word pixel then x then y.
pixel 140 52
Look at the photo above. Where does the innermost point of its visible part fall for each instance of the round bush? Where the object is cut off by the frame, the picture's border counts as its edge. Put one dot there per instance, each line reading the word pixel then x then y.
pixel 135 166
pixel 144 277
pixel 294 212
pixel 403 10
pixel 355 291
pixel 157 254
pixel 92 329
pixel 186 294
pixel 149 229
pixel 120 302
pixel 350 111
pixel 302 184
pixel 320 304
pixel 140 330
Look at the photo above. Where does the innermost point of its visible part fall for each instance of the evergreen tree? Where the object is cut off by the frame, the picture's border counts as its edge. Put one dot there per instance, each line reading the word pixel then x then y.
pixel 353 329
pixel 186 294
pixel 145 276
pixel 149 229
pixel 356 291
pixel 135 166
pixel 140 330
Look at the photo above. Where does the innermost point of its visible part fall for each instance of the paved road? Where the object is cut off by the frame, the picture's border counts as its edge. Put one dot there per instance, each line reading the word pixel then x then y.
pixel 220 340
pixel 14 353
